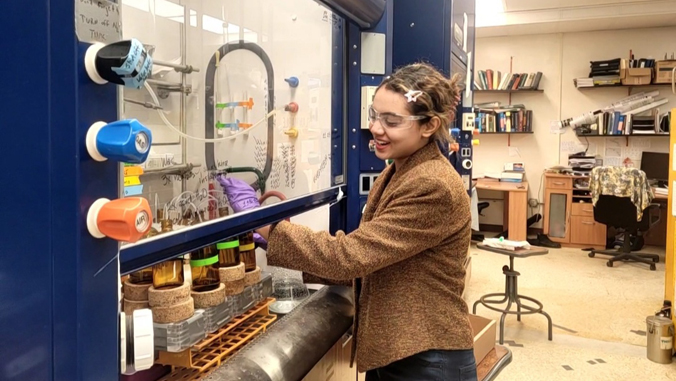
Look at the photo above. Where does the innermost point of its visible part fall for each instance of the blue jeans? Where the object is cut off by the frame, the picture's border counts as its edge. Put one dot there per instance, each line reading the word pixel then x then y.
pixel 435 365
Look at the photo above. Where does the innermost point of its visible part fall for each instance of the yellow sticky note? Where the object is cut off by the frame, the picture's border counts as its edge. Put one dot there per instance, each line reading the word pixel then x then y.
pixel 131 180
pixel 133 171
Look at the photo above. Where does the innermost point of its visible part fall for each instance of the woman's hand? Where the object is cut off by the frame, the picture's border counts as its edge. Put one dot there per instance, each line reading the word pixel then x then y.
pixel 241 195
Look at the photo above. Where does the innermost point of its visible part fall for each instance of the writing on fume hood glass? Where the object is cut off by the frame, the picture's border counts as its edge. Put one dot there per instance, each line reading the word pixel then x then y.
pixel 98 21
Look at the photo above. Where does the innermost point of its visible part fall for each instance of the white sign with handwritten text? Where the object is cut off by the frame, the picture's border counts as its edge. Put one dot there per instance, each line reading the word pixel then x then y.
pixel 98 21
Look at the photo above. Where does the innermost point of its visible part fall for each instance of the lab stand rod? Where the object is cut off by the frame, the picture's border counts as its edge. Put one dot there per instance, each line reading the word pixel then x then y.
pixel 183 114
pixel 185 69
pixel 158 82
pixel 178 169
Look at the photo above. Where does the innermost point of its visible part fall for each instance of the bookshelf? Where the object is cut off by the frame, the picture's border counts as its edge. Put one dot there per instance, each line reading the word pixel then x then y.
pixel 620 86
pixel 509 91
pixel 503 82
pixel 624 136
pixel 506 133
pixel 609 86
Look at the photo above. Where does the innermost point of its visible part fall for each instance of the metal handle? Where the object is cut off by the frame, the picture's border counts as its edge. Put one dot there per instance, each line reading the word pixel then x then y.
pixel 558 183
pixel 588 210
pixel 587 223
pixel 347 338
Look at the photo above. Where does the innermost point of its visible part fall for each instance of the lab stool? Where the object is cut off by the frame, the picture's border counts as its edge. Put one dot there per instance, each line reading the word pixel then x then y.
pixel 511 295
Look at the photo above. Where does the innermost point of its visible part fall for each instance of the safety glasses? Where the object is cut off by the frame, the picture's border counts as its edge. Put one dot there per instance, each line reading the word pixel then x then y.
pixel 393 121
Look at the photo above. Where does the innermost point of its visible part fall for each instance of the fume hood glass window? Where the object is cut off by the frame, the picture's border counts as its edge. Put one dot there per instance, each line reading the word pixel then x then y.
pixel 256 104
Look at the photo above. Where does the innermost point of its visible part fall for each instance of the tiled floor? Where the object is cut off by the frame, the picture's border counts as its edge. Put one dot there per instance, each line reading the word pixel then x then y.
pixel 598 312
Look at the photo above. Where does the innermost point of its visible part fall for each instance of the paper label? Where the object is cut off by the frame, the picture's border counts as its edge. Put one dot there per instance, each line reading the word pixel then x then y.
pixel 131 180
pixel 673 202
pixel 555 127
pixel 133 190
pixel 133 171
pixel 666 343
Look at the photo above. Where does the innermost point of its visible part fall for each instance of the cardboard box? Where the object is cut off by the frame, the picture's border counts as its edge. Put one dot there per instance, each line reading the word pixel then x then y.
pixel 484 336
pixel 664 70
pixel 636 76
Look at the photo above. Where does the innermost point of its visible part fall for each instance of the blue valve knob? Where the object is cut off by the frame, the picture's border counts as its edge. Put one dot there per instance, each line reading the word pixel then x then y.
pixel 455 133
pixel 124 141
pixel 292 81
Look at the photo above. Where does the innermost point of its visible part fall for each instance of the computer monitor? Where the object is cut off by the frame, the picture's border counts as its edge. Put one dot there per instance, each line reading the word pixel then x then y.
pixel 656 166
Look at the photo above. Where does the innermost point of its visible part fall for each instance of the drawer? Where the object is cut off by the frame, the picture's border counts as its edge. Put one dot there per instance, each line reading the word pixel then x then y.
pixel 586 231
pixel 558 183
pixel 583 209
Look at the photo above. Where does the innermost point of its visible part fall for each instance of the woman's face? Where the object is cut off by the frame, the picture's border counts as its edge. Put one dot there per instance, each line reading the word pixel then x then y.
pixel 396 136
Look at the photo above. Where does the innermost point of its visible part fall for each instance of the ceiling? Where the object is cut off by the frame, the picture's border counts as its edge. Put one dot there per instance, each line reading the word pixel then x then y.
pixel 558 16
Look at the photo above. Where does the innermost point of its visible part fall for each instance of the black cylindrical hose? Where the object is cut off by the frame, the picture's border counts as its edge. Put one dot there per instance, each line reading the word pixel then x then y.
pixel 209 102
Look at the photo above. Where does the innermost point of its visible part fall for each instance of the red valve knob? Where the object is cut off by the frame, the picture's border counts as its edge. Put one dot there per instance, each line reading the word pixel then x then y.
pixel 291 107
pixel 126 219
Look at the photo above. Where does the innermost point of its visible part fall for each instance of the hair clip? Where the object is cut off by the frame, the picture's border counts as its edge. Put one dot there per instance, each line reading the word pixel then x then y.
pixel 412 95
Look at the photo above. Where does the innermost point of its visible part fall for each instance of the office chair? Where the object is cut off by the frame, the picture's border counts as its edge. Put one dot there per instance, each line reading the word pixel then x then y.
pixel 620 212
pixel 477 237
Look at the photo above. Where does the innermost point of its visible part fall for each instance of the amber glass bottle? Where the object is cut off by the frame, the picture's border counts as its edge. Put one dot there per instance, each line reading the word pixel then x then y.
pixel 167 226
pixel 204 267
pixel 223 211
pixel 144 276
pixel 228 252
pixel 247 251
pixel 168 274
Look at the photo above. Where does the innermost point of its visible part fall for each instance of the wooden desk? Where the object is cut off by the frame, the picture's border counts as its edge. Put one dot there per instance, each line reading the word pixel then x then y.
pixel 516 205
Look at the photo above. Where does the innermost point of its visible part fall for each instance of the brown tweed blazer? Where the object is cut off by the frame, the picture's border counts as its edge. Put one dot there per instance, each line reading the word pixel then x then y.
pixel 407 257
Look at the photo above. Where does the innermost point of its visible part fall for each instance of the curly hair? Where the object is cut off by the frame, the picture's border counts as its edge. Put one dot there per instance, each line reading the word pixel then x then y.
pixel 439 97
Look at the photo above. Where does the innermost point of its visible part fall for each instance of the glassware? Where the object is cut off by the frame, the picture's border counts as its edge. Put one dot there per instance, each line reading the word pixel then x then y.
pixel 168 274
pixel 247 251
pixel 228 252
pixel 204 267
pixel 143 276
pixel 167 225
pixel 223 211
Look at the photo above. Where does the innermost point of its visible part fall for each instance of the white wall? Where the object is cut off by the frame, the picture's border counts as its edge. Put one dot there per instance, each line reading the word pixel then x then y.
pixel 561 58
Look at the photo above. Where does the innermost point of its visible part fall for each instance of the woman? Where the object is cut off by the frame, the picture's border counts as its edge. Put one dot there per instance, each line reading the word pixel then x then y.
pixel 407 256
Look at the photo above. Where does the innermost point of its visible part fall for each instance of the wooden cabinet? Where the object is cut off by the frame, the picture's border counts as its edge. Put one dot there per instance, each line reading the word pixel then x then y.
pixel 335 365
pixel 569 214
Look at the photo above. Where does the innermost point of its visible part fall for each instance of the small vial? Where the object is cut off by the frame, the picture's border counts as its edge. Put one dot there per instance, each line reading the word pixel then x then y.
pixel 204 267
pixel 168 274
pixel 247 251
pixel 167 226
pixel 223 211
pixel 143 276
pixel 228 252
pixel 188 218
pixel 160 215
